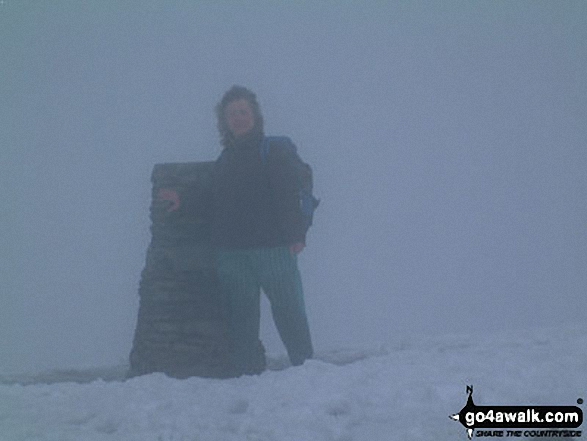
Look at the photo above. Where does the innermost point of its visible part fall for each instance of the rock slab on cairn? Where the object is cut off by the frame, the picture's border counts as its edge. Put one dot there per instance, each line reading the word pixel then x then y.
pixel 181 327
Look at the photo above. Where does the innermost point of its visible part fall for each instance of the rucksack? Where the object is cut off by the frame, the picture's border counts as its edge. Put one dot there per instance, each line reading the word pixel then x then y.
pixel 308 203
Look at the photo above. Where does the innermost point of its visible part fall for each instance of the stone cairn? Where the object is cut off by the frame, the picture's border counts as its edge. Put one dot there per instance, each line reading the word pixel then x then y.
pixel 181 327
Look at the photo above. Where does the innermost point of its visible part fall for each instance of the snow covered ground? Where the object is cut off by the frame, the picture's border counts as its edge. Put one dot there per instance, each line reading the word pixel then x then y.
pixel 404 391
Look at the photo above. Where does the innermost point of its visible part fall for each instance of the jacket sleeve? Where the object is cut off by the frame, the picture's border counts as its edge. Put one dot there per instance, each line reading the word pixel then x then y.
pixel 283 179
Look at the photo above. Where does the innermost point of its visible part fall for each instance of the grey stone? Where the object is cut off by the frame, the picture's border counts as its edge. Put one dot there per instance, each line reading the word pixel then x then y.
pixel 181 325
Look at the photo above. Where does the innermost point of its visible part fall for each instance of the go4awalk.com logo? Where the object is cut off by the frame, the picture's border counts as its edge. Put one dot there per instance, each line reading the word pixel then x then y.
pixel 520 421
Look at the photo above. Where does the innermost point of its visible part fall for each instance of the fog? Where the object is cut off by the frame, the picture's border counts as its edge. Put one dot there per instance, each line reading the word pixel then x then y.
pixel 448 142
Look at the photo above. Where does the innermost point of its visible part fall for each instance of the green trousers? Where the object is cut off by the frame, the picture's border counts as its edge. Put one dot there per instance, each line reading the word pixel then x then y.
pixel 243 273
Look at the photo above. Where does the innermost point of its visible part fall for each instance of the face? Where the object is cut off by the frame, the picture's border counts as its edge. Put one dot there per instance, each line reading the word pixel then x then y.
pixel 239 117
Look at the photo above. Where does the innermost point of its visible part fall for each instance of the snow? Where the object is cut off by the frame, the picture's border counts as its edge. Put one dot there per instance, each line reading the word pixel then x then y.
pixel 405 390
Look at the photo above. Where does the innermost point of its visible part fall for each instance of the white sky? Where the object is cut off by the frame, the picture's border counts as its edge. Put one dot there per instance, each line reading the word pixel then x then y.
pixel 447 140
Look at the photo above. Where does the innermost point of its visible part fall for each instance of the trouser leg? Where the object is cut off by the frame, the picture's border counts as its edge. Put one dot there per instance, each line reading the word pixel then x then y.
pixel 241 287
pixel 281 282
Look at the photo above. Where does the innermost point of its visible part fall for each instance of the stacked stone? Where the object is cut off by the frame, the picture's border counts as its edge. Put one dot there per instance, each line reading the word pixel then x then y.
pixel 181 327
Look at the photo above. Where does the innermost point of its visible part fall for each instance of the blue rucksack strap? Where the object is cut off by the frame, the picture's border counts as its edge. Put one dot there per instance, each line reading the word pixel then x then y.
pixel 308 202
pixel 284 141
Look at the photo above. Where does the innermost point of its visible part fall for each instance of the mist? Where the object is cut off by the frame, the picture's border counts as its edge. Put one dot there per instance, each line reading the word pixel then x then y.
pixel 447 141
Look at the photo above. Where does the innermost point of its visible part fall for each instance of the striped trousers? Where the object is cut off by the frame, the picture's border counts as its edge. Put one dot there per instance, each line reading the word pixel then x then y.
pixel 243 273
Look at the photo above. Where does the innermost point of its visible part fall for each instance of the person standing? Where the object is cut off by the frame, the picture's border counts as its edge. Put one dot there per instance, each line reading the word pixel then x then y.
pixel 258 231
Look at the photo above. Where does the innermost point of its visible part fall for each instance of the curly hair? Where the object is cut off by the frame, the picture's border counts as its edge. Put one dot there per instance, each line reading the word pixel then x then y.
pixel 233 94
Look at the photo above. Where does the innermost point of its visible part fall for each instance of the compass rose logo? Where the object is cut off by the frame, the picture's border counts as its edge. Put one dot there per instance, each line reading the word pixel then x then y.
pixel 460 417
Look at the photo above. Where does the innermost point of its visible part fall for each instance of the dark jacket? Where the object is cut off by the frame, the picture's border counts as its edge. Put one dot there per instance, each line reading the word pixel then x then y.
pixel 255 203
